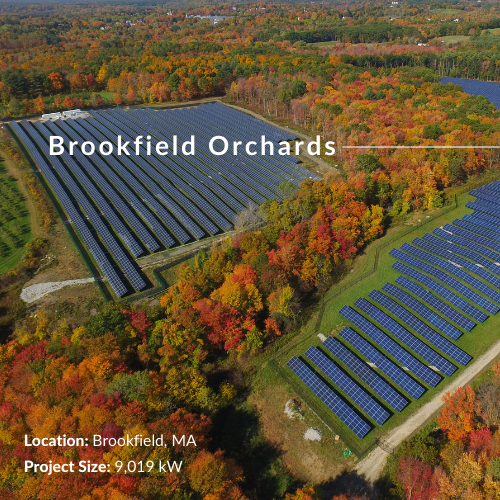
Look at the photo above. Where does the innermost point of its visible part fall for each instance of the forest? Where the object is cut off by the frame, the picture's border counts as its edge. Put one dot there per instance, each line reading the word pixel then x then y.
pixel 364 74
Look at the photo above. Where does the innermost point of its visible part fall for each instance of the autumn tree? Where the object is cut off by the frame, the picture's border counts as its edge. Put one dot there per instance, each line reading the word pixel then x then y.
pixel 458 415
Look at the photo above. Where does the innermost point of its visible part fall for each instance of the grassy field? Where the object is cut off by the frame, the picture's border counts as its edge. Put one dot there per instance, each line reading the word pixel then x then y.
pixel 360 281
pixel 446 11
pixel 492 31
pixel 105 94
pixel 451 39
pixel 15 226
pixel 324 44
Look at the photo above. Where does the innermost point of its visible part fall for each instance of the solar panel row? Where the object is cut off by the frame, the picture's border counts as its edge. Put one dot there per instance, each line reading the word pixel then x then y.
pixel 203 198
pixel 105 168
pixel 434 301
pixel 257 177
pixel 108 190
pixel 426 312
pixel 105 234
pixel 421 328
pixel 365 373
pixel 459 261
pixel 138 181
pixel 247 180
pixel 456 249
pixel 440 290
pixel 471 281
pixel 329 398
pixel 476 229
pixel 383 363
pixel 393 348
pixel 469 234
pixel 406 338
pixel 347 385
pixel 453 283
pixel 485 221
pixel 467 243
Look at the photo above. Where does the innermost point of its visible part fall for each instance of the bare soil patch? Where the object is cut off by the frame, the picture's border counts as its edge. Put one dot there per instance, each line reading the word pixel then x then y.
pixel 310 461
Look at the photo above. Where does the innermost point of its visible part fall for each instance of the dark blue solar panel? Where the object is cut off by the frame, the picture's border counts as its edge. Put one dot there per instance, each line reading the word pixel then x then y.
pixel 484 220
pixel 393 348
pixel 442 291
pixel 467 243
pixel 407 338
pixel 486 207
pixel 456 249
pixel 381 362
pixel 444 277
pixel 95 249
pixel 421 328
pixel 339 407
pixel 365 373
pixel 138 181
pixel 459 273
pixel 486 203
pixel 470 235
pixel 477 229
pixel 126 190
pixel 489 90
pixel 105 234
pixel 458 261
pixel 425 312
pixel 419 291
pixel 346 385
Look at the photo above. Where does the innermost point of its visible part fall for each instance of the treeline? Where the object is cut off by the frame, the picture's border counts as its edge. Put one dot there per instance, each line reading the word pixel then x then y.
pixel 483 65
pixel 464 28
pixel 163 49
pixel 385 107
pixel 368 33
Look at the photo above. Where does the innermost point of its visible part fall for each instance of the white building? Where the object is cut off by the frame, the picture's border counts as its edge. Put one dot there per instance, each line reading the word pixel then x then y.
pixel 72 113
pixel 51 116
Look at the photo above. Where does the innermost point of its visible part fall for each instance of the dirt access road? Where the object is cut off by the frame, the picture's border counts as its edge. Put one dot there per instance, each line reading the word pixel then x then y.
pixel 323 166
pixel 371 466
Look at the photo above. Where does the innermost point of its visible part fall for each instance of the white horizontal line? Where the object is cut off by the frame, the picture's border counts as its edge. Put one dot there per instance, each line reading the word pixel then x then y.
pixel 420 147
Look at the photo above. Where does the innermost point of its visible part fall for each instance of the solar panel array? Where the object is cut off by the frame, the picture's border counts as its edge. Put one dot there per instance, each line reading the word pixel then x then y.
pixel 489 90
pixel 383 363
pixel 457 260
pixel 403 335
pixel 453 268
pixel 448 280
pixel 125 206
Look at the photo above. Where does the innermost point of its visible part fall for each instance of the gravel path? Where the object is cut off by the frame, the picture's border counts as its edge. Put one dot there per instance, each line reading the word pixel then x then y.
pixel 315 159
pixel 371 466
pixel 35 292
